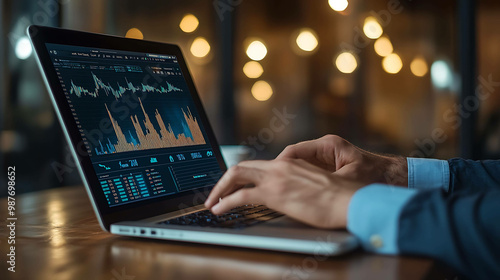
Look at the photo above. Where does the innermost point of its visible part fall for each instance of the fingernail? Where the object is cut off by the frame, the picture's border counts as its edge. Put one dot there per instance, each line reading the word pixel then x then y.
pixel 215 208
pixel 208 202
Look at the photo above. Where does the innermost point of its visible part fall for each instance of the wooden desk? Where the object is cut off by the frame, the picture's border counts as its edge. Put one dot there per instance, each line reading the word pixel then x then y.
pixel 58 237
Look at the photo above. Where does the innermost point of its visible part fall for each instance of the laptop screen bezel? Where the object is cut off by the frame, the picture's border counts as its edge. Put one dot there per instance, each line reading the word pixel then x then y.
pixel 40 36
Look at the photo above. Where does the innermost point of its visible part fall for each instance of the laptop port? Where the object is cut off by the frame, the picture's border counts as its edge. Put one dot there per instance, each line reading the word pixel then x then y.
pixel 153 232
pixel 143 231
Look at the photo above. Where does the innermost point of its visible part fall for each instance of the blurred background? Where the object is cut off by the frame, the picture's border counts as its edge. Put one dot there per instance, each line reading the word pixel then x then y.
pixel 416 78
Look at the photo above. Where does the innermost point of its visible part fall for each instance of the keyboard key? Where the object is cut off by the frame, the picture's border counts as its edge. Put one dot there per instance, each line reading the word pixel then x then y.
pixel 239 217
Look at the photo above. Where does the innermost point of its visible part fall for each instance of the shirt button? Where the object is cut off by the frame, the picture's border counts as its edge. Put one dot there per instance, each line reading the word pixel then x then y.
pixel 376 241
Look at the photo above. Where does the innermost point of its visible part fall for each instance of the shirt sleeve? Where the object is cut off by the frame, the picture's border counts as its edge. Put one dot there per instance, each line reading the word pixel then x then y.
pixel 373 216
pixel 424 174
pixel 459 228
pixel 470 175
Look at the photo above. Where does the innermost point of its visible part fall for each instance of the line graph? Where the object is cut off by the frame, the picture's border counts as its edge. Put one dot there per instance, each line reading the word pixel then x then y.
pixel 118 92
pixel 122 108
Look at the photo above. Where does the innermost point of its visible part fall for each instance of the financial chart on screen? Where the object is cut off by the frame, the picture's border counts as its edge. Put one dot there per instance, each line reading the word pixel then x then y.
pixel 137 120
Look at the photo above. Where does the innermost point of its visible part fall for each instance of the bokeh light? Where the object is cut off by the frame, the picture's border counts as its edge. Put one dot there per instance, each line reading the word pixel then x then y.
pixel 134 33
pixel 256 50
pixel 372 28
pixel 307 40
pixel 23 48
pixel 200 47
pixel 189 23
pixel 383 46
pixel 262 91
pixel 392 63
pixel 419 67
pixel 338 5
pixel 253 69
pixel 441 74
pixel 346 62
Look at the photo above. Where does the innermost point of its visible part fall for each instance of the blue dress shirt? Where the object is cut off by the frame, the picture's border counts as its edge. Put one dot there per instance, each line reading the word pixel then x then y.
pixel 450 211
pixel 374 211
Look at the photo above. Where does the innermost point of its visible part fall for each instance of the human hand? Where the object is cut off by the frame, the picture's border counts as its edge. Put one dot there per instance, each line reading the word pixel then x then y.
pixel 337 155
pixel 292 186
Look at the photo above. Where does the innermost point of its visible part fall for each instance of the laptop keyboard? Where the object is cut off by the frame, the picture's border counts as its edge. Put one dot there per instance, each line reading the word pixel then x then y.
pixel 239 217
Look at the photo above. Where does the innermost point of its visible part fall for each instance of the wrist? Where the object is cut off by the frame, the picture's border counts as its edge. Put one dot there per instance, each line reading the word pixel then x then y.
pixel 396 171
pixel 340 210
pixel 343 192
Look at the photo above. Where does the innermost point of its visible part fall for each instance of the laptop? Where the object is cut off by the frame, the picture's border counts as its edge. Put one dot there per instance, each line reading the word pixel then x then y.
pixel 145 149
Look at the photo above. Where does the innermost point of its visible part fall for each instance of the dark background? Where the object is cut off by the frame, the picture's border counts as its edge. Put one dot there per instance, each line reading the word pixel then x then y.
pixel 399 113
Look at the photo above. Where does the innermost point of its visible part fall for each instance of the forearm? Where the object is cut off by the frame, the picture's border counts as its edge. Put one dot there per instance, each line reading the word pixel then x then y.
pixel 461 229
pixel 396 171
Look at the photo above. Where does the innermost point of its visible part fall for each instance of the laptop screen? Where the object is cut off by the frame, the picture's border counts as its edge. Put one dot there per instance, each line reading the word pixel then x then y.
pixel 138 122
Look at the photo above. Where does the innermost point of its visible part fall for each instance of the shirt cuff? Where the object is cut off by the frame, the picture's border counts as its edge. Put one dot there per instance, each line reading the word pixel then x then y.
pixel 373 216
pixel 427 174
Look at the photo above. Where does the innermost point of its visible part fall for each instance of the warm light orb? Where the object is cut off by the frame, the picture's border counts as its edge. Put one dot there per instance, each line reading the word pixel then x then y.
pixel 262 91
pixel 189 23
pixel 200 47
pixel 419 67
pixel 253 69
pixel 372 28
pixel 338 5
pixel 23 48
pixel 346 62
pixel 134 33
pixel 392 63
pixel 256 50
pixel 307 40
pixel 383 46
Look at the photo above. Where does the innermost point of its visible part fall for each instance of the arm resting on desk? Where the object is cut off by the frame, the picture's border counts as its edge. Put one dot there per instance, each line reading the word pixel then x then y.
pixel 474 175
pixel 461 229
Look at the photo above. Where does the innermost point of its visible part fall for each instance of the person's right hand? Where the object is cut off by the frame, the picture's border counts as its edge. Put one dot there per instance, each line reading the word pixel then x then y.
pixel 337 155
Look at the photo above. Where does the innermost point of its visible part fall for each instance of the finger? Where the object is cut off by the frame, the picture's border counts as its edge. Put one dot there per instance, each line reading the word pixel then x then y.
pixel 308 166
pixel 346 171
pixel 229 191
pixel 257 164
pixel 352 171
pixel 298 166
pixel 240 197
pixel 306 149
pixel 311 151
pixel 235 177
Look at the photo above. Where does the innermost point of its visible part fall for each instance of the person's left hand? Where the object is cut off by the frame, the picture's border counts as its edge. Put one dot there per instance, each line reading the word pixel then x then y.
pixel 293 187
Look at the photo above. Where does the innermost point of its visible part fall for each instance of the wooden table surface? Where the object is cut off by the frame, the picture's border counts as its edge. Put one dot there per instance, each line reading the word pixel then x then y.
pixel 58 237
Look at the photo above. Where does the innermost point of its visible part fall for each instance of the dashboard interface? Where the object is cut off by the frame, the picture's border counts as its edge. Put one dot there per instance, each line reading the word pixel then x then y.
pixel 138 122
